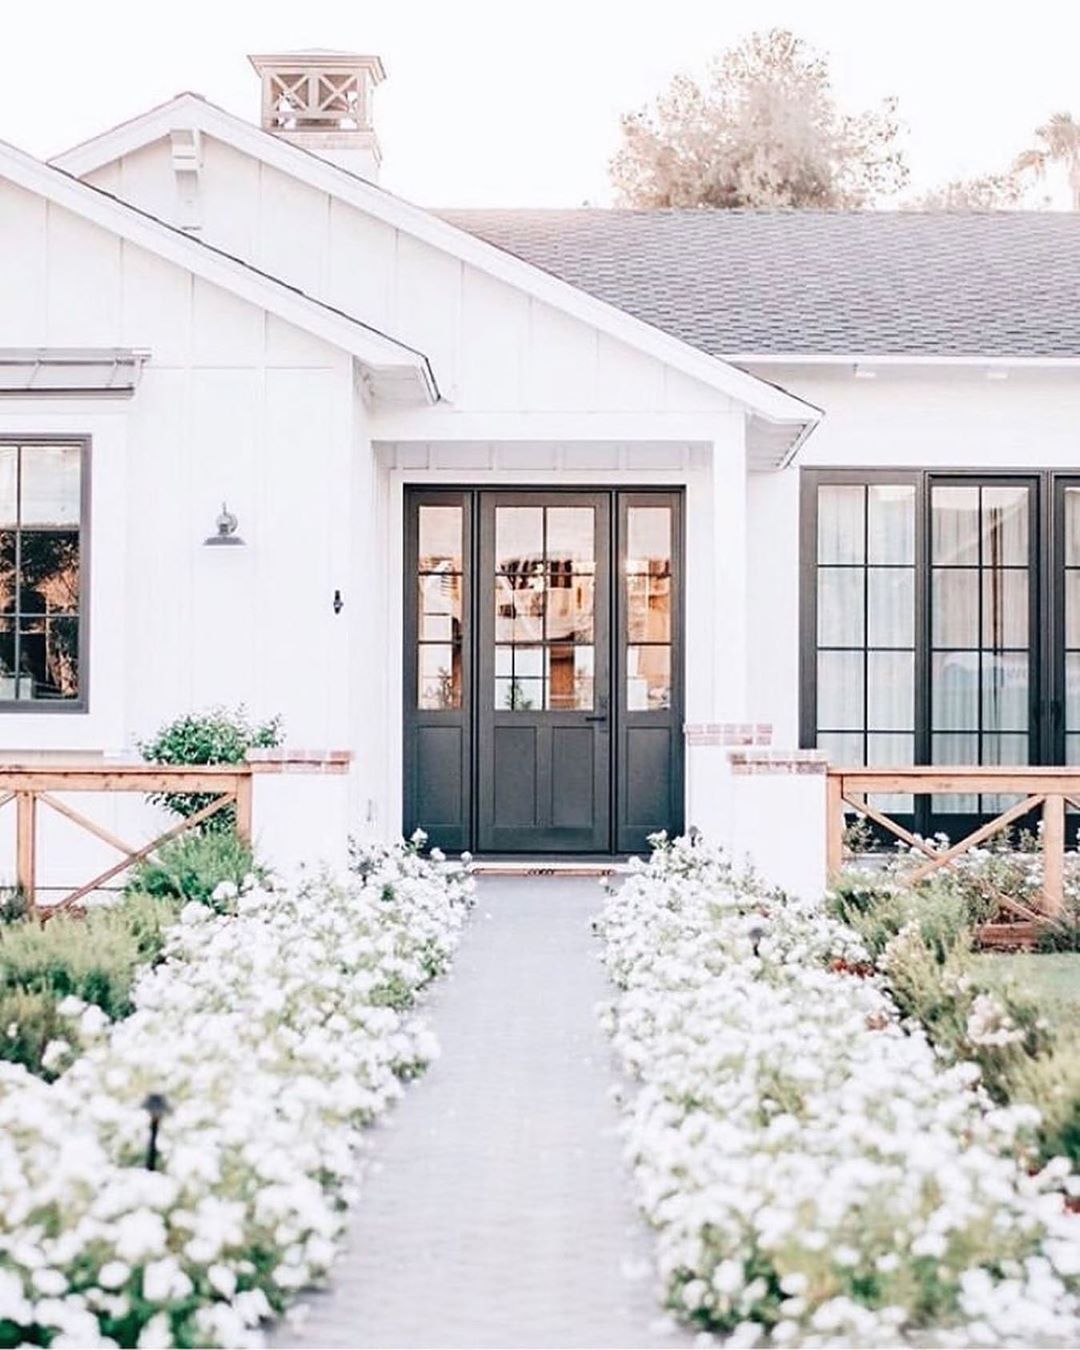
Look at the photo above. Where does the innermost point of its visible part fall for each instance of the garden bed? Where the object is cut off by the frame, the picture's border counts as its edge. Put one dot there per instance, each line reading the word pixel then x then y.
pixel 814 1170
pixel 274 1032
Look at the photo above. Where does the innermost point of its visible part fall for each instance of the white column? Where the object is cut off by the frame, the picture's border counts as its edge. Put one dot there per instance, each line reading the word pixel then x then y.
pixel 729 564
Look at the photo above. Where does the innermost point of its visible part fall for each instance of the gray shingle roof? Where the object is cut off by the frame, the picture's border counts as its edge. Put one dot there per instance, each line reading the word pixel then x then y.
pixel 818 282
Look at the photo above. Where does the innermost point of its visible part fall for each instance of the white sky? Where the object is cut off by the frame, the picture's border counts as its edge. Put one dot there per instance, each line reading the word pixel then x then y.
pixel 516 102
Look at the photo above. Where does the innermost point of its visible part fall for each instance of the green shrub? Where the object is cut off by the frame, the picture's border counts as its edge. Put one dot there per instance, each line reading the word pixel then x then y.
pixel 193 866
pixel 1052 1083
pixel 28 1022
pixel 218 736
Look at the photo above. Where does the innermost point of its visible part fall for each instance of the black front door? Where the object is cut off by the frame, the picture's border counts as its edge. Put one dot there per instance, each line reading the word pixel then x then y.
pixel 543 687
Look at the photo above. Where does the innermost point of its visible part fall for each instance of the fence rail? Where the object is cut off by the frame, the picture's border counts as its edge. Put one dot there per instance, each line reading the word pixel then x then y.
pixel 32 785
pixel 1047 789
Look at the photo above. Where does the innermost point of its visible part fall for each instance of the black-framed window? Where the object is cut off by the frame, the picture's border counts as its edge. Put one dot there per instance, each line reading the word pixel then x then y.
pixel 43 508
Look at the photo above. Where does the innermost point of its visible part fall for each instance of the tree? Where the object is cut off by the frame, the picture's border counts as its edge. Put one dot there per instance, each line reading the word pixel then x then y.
pixel 1058 143
pixel 762 130
pixel 988 192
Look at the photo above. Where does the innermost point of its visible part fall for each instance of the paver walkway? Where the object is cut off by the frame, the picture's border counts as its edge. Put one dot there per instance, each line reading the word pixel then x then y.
pixel 497 1210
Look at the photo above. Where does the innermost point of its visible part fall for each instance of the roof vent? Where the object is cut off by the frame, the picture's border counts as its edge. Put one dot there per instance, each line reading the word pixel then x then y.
pixel 321 101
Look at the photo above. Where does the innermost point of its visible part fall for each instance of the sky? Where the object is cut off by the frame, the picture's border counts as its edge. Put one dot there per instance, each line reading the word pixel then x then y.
pixel 517 103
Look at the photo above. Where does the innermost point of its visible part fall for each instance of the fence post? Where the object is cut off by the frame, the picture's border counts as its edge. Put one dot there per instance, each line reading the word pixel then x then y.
pixel 243 805
pixel 834 825
pixel 26 845
pixel 1053 853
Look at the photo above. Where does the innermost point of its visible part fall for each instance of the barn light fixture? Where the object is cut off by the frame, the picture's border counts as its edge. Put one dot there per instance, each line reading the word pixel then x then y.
pixel 226 524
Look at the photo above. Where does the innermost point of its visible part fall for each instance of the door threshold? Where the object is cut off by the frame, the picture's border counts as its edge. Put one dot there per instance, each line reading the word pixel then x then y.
pixel 549 867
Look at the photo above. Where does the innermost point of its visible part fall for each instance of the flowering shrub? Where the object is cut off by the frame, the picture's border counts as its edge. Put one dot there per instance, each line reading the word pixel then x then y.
pixel 275 1032
pixel 811 1168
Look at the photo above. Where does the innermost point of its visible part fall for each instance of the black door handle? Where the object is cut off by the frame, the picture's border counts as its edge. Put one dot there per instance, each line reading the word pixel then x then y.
pixel 596 717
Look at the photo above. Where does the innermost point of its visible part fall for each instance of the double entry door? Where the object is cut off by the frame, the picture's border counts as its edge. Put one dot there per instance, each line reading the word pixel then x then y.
pixel 543 690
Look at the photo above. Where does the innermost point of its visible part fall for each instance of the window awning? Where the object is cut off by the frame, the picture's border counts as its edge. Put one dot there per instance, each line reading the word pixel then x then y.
pixel 110 372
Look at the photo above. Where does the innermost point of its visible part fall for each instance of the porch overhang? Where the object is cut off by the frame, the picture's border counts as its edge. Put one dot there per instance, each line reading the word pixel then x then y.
pixel 97 372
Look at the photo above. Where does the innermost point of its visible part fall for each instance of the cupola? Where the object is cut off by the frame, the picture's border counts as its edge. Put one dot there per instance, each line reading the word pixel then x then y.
pixel 321 101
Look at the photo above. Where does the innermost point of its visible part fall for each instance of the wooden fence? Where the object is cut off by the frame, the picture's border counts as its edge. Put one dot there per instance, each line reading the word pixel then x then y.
pixel 1048 790
pixel 32 785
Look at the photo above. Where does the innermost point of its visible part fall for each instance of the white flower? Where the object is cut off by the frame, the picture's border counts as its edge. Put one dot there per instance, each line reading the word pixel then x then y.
pixel 15 1307
pixel 55 1053
pixel 222 1279
pixel 164 1280
pixel 114 1275
pixel 139 1235
pixel 51 1283
pixel 156 1335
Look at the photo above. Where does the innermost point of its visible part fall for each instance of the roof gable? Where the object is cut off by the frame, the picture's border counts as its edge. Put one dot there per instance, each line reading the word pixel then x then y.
pixel 398 372
pixel 760 398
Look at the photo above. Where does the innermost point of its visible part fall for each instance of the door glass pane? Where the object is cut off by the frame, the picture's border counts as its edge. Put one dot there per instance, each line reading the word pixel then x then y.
pixel 954 534
pixel 840 606
pixel 890 606
pixel 648 600
pixel 570 538
pixel 440 608
pixel 954 692
pixel 519 608
pixel 954 606
pixel 570 609
pixel 840 690
pixel 440 539
pixel 570 677
pixel 1005 608
pixel 1005 691
pixel 1072 608
pixel 1005 526
pixel 9 461
pixel 519 538
pixel 1072 526
pixel 844 748
pixel 890 691
pixel 891 523
pixel 439 675
pixel 648 539
pixel 648 678
pixel 841 524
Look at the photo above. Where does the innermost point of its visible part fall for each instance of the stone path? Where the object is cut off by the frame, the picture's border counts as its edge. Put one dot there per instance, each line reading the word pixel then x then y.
pixel 496 1210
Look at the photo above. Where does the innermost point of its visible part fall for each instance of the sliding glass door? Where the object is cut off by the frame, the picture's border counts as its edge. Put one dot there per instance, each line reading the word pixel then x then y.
pixel 922 640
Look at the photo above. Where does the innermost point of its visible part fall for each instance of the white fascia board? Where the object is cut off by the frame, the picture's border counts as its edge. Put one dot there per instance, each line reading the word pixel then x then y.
pixel 190 110
pixel 868 361
pixel 373 349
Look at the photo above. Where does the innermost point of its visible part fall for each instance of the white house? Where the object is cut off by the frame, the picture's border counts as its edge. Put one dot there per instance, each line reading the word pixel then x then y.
pixel 541 511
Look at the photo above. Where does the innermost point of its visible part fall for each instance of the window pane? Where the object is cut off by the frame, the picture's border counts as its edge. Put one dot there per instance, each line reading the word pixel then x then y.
pixel 571 536
pixel 49 654
pixel 955 526
pixel 1005 692
pixel 9 459
pixel 840 690
pixel 840 606
pixel 7 572
pixel 890 693
pixel 49 492
pixel 956 751
pixel 648 545
pixel 570 677
pixel 1005 526
pixel 440 539
pixel 648 678
pixel 1005 608
pixel 841 525
pixel 891 523
pixel 519 695
pixel 891 607
pixel 519 538
pixel 884 751
pixel 50 572
pixel 649 607
pixel 954 619
pixel 519 608
pixel 954 691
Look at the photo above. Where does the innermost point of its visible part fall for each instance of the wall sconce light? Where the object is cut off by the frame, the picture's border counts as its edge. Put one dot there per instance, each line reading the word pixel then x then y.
pixel 226 530
pixel 337 602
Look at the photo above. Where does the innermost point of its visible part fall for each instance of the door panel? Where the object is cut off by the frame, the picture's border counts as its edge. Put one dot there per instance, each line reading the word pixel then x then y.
pixel 544 744
pixel 649 647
